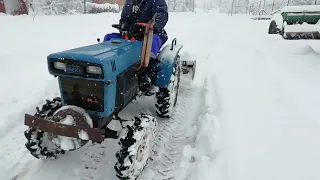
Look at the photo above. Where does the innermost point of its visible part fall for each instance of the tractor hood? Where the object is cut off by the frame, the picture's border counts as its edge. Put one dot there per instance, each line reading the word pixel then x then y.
pixel 113 56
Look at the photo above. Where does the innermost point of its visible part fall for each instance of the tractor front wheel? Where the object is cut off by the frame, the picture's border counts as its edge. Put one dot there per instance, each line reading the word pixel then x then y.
pixel 38 142
pixel 136 147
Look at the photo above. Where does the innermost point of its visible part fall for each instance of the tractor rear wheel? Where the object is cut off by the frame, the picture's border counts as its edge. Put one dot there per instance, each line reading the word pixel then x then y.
pixel 166 98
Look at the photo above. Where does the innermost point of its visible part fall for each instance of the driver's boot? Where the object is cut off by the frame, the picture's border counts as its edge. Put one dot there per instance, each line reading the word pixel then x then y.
pixel 147 87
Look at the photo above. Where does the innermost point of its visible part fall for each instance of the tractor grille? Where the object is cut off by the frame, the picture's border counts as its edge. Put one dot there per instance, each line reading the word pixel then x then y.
pixel 86 94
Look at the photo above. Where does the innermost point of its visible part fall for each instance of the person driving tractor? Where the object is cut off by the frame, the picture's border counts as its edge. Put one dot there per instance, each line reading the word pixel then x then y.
pixel 142 11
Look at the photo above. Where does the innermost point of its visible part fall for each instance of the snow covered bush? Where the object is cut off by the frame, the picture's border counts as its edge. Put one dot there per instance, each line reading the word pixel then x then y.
pixel 57 7
pixel 94 8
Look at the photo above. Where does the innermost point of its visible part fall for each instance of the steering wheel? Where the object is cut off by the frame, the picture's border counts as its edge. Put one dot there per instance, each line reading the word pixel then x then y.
pixel 135 30
pixel 133 27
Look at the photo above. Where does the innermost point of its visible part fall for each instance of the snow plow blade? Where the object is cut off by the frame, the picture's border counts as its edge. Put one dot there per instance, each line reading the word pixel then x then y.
pixel 56 128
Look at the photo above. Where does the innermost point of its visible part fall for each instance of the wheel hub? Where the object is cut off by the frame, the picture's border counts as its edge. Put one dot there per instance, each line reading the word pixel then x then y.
pixel 70 115
pixel 141 149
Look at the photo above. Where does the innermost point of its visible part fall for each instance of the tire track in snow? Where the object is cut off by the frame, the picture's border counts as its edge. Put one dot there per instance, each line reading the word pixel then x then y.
pixel 202 157
pixel 93 161
pixel 171 136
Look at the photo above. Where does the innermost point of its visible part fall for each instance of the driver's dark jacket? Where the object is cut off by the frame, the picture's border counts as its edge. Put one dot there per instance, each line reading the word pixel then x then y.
pixel 148 8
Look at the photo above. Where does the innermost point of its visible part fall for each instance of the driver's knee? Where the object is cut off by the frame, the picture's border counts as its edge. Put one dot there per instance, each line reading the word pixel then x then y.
pixel 156 45
pixel 109 36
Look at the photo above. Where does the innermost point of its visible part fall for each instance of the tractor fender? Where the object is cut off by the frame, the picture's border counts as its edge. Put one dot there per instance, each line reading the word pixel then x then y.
pixel 168 58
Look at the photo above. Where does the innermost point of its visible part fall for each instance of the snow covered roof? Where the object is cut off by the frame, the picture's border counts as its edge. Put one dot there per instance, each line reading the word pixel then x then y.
pixel 302 8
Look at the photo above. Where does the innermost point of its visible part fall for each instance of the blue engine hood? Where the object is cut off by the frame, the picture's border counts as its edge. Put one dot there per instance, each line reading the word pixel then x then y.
pixel 116 52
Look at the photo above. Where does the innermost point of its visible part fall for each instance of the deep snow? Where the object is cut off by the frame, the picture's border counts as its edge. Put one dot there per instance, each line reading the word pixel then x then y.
pixel 267 89
pixel 252 112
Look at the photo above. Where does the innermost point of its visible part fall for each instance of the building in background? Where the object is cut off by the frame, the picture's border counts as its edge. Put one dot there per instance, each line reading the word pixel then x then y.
pixel 21 8
pixel 15 7
pixel 120 3
pixel 2 8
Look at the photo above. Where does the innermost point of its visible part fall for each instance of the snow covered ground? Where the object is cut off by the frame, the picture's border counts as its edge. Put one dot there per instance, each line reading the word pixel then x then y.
pixel 267 95
pixel 252 112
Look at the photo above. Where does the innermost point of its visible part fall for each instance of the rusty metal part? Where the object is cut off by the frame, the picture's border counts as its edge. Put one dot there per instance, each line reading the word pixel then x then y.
pixel 55 127
pixel 80 119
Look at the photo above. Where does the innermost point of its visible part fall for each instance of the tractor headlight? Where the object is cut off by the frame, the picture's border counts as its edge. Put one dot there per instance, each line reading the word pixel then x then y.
pixel 94 70
pixel 59 65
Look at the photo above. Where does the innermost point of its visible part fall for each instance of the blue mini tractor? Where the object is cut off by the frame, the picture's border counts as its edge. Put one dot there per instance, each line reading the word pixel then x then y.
pixel 96 83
